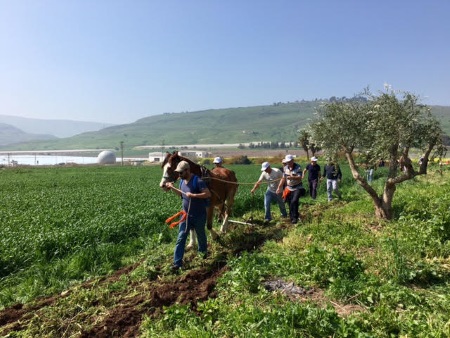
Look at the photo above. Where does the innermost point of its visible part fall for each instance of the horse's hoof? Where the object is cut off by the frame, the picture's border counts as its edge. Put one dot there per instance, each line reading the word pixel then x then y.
pixel 189 246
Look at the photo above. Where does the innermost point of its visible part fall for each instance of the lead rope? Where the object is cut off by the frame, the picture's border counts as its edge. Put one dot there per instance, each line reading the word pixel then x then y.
pixel 184 216
pixel 187 217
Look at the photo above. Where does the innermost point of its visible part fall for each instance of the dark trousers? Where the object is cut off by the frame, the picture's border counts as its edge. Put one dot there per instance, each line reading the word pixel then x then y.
pixel 293 200
pixel 313 188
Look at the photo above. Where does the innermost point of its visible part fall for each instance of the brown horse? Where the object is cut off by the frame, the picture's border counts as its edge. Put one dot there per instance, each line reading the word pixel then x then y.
pixel 221 182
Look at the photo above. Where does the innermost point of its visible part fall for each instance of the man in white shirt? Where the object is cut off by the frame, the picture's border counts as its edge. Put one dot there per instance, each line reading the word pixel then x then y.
pixel 273 177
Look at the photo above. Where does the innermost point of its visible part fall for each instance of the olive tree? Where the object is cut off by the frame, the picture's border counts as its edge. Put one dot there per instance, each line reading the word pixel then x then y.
pixel 307 143
pixel 303 139
pixel 386 126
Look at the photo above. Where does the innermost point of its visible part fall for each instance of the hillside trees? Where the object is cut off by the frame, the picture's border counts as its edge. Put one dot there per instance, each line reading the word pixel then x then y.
pixel 386 126
pixel 307 144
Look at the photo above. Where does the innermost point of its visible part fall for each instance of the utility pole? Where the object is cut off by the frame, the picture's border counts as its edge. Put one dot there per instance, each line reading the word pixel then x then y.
pixel 121 149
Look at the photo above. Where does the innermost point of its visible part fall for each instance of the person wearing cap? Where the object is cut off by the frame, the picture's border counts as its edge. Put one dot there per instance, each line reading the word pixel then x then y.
pixel 314 176
pixel 333 173
pixel 273 177
pixel 218 162
pixel 292 178
pixel 193 200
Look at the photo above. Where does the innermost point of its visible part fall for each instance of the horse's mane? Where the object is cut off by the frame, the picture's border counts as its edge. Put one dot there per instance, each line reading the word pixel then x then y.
pixel 196 169
pixel 166 159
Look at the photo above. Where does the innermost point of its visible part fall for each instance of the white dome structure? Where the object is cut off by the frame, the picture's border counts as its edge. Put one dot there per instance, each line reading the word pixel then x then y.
pixel 106 157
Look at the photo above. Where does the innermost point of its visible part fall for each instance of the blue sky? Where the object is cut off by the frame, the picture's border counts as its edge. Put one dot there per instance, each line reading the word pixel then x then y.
pixel 117 61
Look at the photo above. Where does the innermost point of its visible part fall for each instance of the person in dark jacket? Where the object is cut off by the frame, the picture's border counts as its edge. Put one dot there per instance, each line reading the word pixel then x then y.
pixel 333 174
pixel 313 170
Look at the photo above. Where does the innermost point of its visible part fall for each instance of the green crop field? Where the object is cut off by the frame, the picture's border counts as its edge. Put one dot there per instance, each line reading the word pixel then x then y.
pixel 61 224
pixel 81 245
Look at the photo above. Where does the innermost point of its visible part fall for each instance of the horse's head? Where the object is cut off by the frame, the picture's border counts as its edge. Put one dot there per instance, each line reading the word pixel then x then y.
pixel 169 165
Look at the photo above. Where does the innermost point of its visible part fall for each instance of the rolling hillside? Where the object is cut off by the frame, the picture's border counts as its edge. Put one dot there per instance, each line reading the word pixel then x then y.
pixel 10 134
pixel 278 122
pixel 58 128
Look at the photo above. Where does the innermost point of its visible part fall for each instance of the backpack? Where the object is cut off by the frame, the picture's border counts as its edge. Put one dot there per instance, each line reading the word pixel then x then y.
pixel 207 201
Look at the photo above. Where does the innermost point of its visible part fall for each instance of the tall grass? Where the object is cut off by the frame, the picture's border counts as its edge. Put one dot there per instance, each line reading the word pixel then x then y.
pixel 362 276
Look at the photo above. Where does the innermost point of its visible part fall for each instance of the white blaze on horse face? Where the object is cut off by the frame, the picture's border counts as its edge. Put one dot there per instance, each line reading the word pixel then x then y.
pixel 165 177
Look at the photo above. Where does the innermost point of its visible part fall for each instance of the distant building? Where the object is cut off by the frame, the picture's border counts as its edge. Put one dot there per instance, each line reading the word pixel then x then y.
pixel 157 157
pixel 194 153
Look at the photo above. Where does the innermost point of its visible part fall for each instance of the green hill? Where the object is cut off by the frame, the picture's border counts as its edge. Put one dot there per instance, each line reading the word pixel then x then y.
pixel 278 122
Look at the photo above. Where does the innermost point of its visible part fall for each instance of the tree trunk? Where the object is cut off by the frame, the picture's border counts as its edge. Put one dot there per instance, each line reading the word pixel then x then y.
pixel 382 205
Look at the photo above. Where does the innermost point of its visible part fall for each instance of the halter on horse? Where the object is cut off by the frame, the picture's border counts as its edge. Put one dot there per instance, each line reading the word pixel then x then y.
pixel 221 182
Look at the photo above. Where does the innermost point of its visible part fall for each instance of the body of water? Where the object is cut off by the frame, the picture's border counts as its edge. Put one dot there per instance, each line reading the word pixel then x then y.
pixel 13 159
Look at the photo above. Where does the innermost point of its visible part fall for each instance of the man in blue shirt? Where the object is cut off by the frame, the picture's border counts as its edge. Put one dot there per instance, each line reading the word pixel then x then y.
pixel 194 206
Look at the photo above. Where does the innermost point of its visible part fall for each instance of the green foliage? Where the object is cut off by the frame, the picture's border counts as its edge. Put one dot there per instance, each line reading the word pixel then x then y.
pixel 241 160
pixel 388 127
pixel 246 274
pixel 65 225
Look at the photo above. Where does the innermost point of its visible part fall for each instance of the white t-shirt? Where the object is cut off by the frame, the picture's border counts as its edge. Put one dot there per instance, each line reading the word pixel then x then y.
pixel 273 178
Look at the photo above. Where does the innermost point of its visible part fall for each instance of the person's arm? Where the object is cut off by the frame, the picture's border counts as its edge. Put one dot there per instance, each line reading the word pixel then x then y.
pixel 339 174
pixel 170 186
pixel 281 184
pixel 205 193
pixel 257 184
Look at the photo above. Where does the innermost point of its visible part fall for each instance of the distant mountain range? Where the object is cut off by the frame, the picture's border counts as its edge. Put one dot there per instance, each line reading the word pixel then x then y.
pixel 277 122
pixel 14 129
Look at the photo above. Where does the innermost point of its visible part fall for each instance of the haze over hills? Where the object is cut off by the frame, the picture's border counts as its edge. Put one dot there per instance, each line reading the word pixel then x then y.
pixel 277 122
pixel 58 128
pixel 10 134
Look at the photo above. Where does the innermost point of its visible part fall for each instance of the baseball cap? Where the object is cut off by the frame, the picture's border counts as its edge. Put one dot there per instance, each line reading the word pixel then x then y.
pixel 264 166
pixel 314 159
pixel 217 160
pixel 183 165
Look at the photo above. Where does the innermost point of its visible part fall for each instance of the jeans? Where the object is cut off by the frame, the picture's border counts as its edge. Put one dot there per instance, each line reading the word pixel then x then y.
pixel 268 198
pixel 369 175
pixel 198 224
pixel 313 188
pixel 293 200
pixel 332 185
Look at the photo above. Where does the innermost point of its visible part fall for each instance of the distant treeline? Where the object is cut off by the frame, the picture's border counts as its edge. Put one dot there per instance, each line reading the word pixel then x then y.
pixel 271 145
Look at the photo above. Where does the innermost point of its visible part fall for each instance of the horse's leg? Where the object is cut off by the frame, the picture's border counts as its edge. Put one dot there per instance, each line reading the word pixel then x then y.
pixel 209 222
pixel 224 212
pixel 228 208
pixel 224 226
pixel 192 240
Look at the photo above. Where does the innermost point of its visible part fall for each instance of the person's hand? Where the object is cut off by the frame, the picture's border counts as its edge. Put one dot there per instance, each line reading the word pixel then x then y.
pixel 169 185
